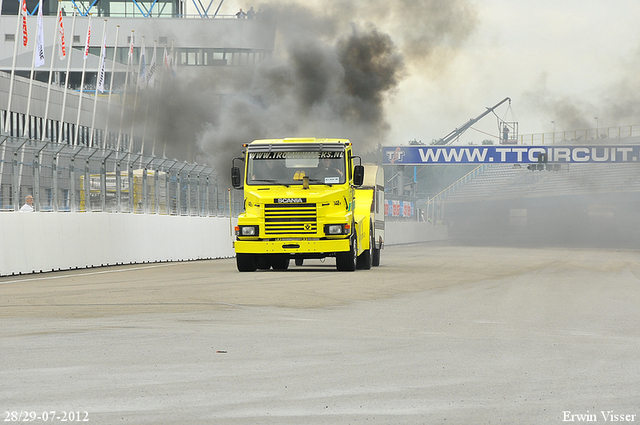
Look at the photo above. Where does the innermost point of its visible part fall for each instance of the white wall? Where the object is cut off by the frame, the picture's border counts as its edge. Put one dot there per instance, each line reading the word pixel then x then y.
pixel 34 242
pixel 401 232
pixel 40 242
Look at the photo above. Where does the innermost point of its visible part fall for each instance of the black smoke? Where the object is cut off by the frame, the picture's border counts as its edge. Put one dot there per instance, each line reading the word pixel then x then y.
pixel 333 73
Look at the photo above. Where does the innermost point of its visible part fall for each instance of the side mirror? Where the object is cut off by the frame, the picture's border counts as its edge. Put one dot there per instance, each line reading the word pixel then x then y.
pixel 236 179
pixel 358 175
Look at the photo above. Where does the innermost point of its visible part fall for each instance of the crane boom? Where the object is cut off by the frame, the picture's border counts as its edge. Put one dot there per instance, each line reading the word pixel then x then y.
pixel 458 131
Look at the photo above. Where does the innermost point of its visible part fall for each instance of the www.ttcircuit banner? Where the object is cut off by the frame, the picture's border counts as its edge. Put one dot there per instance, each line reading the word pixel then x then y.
pixel 421 155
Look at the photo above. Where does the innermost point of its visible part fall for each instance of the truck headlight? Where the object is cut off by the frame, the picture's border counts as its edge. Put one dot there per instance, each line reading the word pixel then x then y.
pixel 336 229
pixel 247 230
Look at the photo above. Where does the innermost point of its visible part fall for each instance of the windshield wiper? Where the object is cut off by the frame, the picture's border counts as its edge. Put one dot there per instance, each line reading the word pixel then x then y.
pixel 275 181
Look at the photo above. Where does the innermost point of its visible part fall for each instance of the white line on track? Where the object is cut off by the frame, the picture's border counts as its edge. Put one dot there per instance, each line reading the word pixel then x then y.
pixel 88 273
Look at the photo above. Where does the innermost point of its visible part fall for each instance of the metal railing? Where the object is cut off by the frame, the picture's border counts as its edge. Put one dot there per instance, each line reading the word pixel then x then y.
pixel 436 204
pixel 61 177
pixel 590 135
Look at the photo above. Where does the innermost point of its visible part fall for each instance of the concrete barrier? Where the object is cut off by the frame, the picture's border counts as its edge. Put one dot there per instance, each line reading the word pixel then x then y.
pixel 402 232
pixel 41 242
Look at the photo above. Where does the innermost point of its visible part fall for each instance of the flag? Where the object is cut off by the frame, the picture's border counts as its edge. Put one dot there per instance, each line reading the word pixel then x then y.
pixel 165 59
pixel 40 39
pixel 25 36
pixel 63 47
pixel 86 46
pixel 151 74
pixel 103 57
pixel 174 64
pixel 142 73
pixel 131 47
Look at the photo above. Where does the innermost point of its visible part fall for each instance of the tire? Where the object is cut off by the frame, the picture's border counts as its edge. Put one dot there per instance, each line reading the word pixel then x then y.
pixel 346 261
pixel 299 261
pixel 263 262
pixel 375 257
pixel 281 262
pixel 364 259
pixel 246 262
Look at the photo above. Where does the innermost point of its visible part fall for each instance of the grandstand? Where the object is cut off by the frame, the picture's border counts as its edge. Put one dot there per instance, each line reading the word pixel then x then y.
pixel 513 181
pixel 560 203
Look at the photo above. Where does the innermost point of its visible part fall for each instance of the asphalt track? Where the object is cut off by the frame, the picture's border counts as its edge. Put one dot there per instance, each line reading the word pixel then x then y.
pixel 437 334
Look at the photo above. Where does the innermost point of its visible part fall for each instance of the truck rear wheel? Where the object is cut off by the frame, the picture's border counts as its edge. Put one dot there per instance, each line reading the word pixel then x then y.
pixel 246 262
pixel 364 259
pixel 346 261
pixel 375 257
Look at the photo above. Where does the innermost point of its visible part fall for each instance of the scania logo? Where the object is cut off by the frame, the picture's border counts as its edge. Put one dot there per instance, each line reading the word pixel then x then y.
pixel 396 155
pixel 290 200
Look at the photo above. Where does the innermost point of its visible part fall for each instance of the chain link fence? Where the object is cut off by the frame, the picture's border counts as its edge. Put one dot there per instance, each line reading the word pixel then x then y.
pixel 61 177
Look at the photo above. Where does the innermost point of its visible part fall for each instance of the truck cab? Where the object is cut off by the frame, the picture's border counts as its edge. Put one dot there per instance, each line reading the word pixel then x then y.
pixel 300 203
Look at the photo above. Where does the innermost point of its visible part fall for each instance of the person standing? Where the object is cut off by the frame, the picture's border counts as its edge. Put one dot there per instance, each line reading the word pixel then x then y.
pixel 28 206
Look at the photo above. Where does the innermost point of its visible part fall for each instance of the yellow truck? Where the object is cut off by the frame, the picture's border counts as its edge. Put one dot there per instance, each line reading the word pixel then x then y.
pixel 307 199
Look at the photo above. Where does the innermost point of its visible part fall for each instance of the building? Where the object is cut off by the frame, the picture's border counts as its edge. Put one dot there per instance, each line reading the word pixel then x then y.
pixel 203 39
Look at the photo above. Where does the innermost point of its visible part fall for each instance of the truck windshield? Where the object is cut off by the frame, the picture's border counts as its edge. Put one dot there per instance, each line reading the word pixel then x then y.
pixel 290 168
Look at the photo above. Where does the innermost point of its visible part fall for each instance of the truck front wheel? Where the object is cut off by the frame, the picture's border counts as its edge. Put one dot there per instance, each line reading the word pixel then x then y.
pixel 246 262
pixel 280 262
pixel 263 262
pixel 346 261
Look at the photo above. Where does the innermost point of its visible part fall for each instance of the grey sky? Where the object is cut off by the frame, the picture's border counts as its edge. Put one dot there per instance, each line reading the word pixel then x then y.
pixel 568 62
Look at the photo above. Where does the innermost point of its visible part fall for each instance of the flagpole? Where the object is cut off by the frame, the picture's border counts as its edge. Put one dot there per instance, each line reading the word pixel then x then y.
pixel 3 146
pixel 26 115
pixel 144 129
pixel 66 79
pixel 124 95
pixel 53 55
pixel 135 99
pixel 150 79
pixel 113 67
pixel 27 118
pixel 133 122
pixel 84 69
pixel 155 134
pixel 173 63
pixel 13 70
pixel 103 54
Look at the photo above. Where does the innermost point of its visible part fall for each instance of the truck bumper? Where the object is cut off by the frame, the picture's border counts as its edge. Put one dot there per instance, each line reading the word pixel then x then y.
pixel 293 247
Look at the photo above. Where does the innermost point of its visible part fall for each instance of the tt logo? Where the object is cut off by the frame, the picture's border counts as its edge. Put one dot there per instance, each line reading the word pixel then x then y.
pixel 396 155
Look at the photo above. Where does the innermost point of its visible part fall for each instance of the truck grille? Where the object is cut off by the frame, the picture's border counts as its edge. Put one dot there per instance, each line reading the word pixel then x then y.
pixel 287 219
